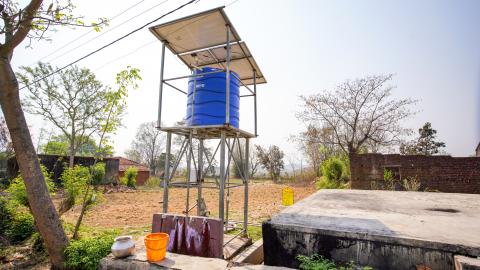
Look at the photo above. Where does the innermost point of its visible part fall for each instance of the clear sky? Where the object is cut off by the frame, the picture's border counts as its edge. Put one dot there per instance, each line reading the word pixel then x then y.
pixel 302 47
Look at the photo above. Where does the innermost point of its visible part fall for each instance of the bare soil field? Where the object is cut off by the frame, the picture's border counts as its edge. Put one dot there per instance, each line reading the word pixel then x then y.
pixel 135 209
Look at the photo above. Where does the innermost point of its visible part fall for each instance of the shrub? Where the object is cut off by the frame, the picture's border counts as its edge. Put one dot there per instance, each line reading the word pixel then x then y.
pixel 315 262
pixel 411 184
pixel 333 169
pixel 130 178
pixel 74 180
pixel 153 182
pixel 389 179
pixel 37 243
pixel 318 262
pixel 323 183
pixel 6 214
pixel 18 191
pixel 21 227
pixel 87 253
pixel 98 173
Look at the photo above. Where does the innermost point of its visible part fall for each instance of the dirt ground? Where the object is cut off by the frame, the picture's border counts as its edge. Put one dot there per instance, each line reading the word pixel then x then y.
pixel 135 209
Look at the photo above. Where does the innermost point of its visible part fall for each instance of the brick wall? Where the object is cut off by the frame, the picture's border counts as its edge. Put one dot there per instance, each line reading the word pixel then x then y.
pixel 55 164
pixel 442 173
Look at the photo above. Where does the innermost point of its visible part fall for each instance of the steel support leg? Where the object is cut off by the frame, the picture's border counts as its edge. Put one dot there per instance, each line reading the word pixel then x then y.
pixel 246 175
pixel 199 177
pixel 223 176
pixel 160 90
pixel 189 168
pixel 166 173
pixel 255 100
pixel 227 79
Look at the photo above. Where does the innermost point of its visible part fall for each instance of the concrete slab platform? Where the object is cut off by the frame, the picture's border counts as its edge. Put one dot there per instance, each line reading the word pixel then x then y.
pixel 381 229
pixel 171 261
pixel 251 255
pixel 466 263
pixel 233 246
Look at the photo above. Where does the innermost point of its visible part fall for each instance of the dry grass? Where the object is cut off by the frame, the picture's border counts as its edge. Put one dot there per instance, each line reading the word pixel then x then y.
pixel 135 209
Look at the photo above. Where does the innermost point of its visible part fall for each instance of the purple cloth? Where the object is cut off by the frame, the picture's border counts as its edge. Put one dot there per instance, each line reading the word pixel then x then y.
pixel 188 240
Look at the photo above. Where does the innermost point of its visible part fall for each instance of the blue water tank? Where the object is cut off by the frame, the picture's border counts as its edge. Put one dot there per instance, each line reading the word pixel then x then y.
pixel 210 97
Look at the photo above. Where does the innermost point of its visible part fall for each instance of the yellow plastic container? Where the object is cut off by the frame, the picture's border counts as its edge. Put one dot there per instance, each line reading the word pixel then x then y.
pixel 156 245
pixel 287 196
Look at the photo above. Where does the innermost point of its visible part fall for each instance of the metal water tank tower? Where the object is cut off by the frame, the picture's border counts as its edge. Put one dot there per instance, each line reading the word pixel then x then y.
pixel 223 71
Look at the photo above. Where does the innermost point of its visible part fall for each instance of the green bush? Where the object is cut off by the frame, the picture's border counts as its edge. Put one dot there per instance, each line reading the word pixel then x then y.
pixel 37 243
pixel 323 183
pixel 74 181
pixel 21 227
pixel 315 262
pixel 87 253
pixel 318 262
pixel 153 182
pixel 130 178
pixel 6 214
pixel 18 191
pixel 333 169
pixel 98 173
pixel 334 172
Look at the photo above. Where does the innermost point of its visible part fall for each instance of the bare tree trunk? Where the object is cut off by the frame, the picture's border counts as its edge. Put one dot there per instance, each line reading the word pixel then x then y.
pixel 82 212
pixel 72 149
pixel 43 210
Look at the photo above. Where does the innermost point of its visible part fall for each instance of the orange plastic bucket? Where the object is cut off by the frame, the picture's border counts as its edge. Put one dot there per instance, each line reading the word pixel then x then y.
pixel 156 245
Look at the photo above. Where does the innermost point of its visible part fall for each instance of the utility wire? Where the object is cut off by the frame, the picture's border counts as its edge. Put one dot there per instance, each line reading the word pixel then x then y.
pixel 87 33
pixel 110 29
pixel 113 42
pixel 125 55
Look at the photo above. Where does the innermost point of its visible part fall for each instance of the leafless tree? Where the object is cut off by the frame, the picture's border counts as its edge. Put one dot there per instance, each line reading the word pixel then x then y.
pixel 291 162
pixel 360 113
pixel 254 161
pixel 147 146
pixel 314 143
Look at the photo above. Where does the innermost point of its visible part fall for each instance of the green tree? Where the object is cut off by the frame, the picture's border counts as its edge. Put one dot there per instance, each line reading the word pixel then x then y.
pixel 73 100
pixel 116 102
pixel 271 159
pixel 161 162
pixel 59 145
pixel 55 147
pixel 425 144
pixel 32 21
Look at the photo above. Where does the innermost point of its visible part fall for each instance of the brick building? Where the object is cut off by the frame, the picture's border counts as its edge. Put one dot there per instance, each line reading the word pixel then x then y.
pixel 143 171
pixel 442 173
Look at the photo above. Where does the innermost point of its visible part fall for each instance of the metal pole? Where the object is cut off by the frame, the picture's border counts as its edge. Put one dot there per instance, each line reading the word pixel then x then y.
pixel 255 99
pixel 227 76
pixel 189 165
pixel 246 175
pixel 193 98
pixel 222 177
pixel 199 176
pixel 230 155
pixel 162 64
pixel 166 173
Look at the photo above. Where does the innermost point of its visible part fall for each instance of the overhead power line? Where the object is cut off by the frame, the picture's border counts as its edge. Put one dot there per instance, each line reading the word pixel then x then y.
pixel 105 32
pixel 125 55
pixel 87 33
pixel 112 42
